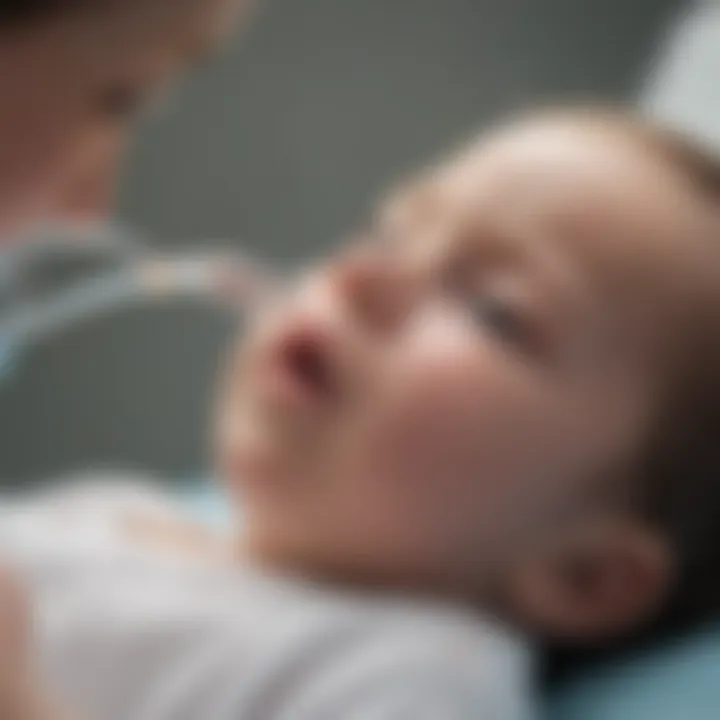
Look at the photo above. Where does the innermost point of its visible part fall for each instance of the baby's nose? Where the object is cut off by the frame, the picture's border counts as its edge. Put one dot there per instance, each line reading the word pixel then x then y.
pixel 378 291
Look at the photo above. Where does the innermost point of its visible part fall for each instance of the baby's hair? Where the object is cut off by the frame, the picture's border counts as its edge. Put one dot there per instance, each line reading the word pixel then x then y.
pixel 682 473
pixel 679 467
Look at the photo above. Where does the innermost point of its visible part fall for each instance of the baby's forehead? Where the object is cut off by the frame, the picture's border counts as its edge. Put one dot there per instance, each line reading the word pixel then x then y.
pixel 553 167
pixel 595 191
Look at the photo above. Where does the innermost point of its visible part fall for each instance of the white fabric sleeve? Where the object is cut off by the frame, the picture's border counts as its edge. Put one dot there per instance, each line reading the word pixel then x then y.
pixel 420 699
pixel 420 673
pixel 427 695
pixel 438 674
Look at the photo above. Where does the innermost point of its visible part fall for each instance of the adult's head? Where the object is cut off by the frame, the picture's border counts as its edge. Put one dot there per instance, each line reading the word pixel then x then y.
pixel 74 75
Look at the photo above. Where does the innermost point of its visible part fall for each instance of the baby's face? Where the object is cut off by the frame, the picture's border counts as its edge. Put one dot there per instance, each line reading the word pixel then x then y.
pixel 450 393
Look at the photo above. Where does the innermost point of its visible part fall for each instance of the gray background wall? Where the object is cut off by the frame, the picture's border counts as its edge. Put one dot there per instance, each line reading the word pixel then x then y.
pixel 283 144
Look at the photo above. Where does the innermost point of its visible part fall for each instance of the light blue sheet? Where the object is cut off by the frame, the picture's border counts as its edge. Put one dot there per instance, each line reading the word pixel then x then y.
pixel 678 682
pixel 205 503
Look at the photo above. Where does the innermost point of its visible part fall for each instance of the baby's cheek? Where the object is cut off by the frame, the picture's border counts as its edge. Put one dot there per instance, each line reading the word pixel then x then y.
pixel 458 443
pixel 422 449
pixel 442 396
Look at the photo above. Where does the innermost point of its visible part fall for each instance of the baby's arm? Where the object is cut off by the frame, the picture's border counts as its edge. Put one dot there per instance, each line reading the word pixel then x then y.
pixel 34 708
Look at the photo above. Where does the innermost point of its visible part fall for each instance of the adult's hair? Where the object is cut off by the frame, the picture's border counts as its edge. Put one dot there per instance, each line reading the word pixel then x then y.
pixel 24 12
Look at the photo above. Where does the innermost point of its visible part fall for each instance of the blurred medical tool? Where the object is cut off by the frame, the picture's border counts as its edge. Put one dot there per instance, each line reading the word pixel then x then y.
pixel 118 270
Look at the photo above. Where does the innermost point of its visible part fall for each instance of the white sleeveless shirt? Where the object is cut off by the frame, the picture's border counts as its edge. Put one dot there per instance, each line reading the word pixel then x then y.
pixel 126 634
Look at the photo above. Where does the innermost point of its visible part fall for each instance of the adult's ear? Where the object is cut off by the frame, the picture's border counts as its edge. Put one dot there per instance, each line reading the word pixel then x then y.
pixel 599 585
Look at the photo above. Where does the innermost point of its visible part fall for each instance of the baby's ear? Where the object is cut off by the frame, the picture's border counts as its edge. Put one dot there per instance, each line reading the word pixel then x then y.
pixel 601 584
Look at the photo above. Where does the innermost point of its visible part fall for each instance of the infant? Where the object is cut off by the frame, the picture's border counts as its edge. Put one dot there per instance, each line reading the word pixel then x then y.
pixel 489 423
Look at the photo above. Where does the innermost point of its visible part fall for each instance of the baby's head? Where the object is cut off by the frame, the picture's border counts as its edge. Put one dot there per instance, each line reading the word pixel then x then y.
pixel 508 389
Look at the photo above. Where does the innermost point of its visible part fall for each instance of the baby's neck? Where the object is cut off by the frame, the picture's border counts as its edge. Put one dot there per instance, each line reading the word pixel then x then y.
pixel 344 577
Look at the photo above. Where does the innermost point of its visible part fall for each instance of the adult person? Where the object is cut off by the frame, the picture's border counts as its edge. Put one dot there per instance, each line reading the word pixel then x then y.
pixel 74 77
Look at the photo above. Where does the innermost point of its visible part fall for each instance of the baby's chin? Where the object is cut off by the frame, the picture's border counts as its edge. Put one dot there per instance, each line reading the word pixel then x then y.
pixel 246 455
pixel 325 563
pixel 264 481
pixel 270 463
pixel 248 474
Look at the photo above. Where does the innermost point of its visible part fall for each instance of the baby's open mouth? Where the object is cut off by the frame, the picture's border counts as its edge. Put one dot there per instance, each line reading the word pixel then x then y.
pixel 305 358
